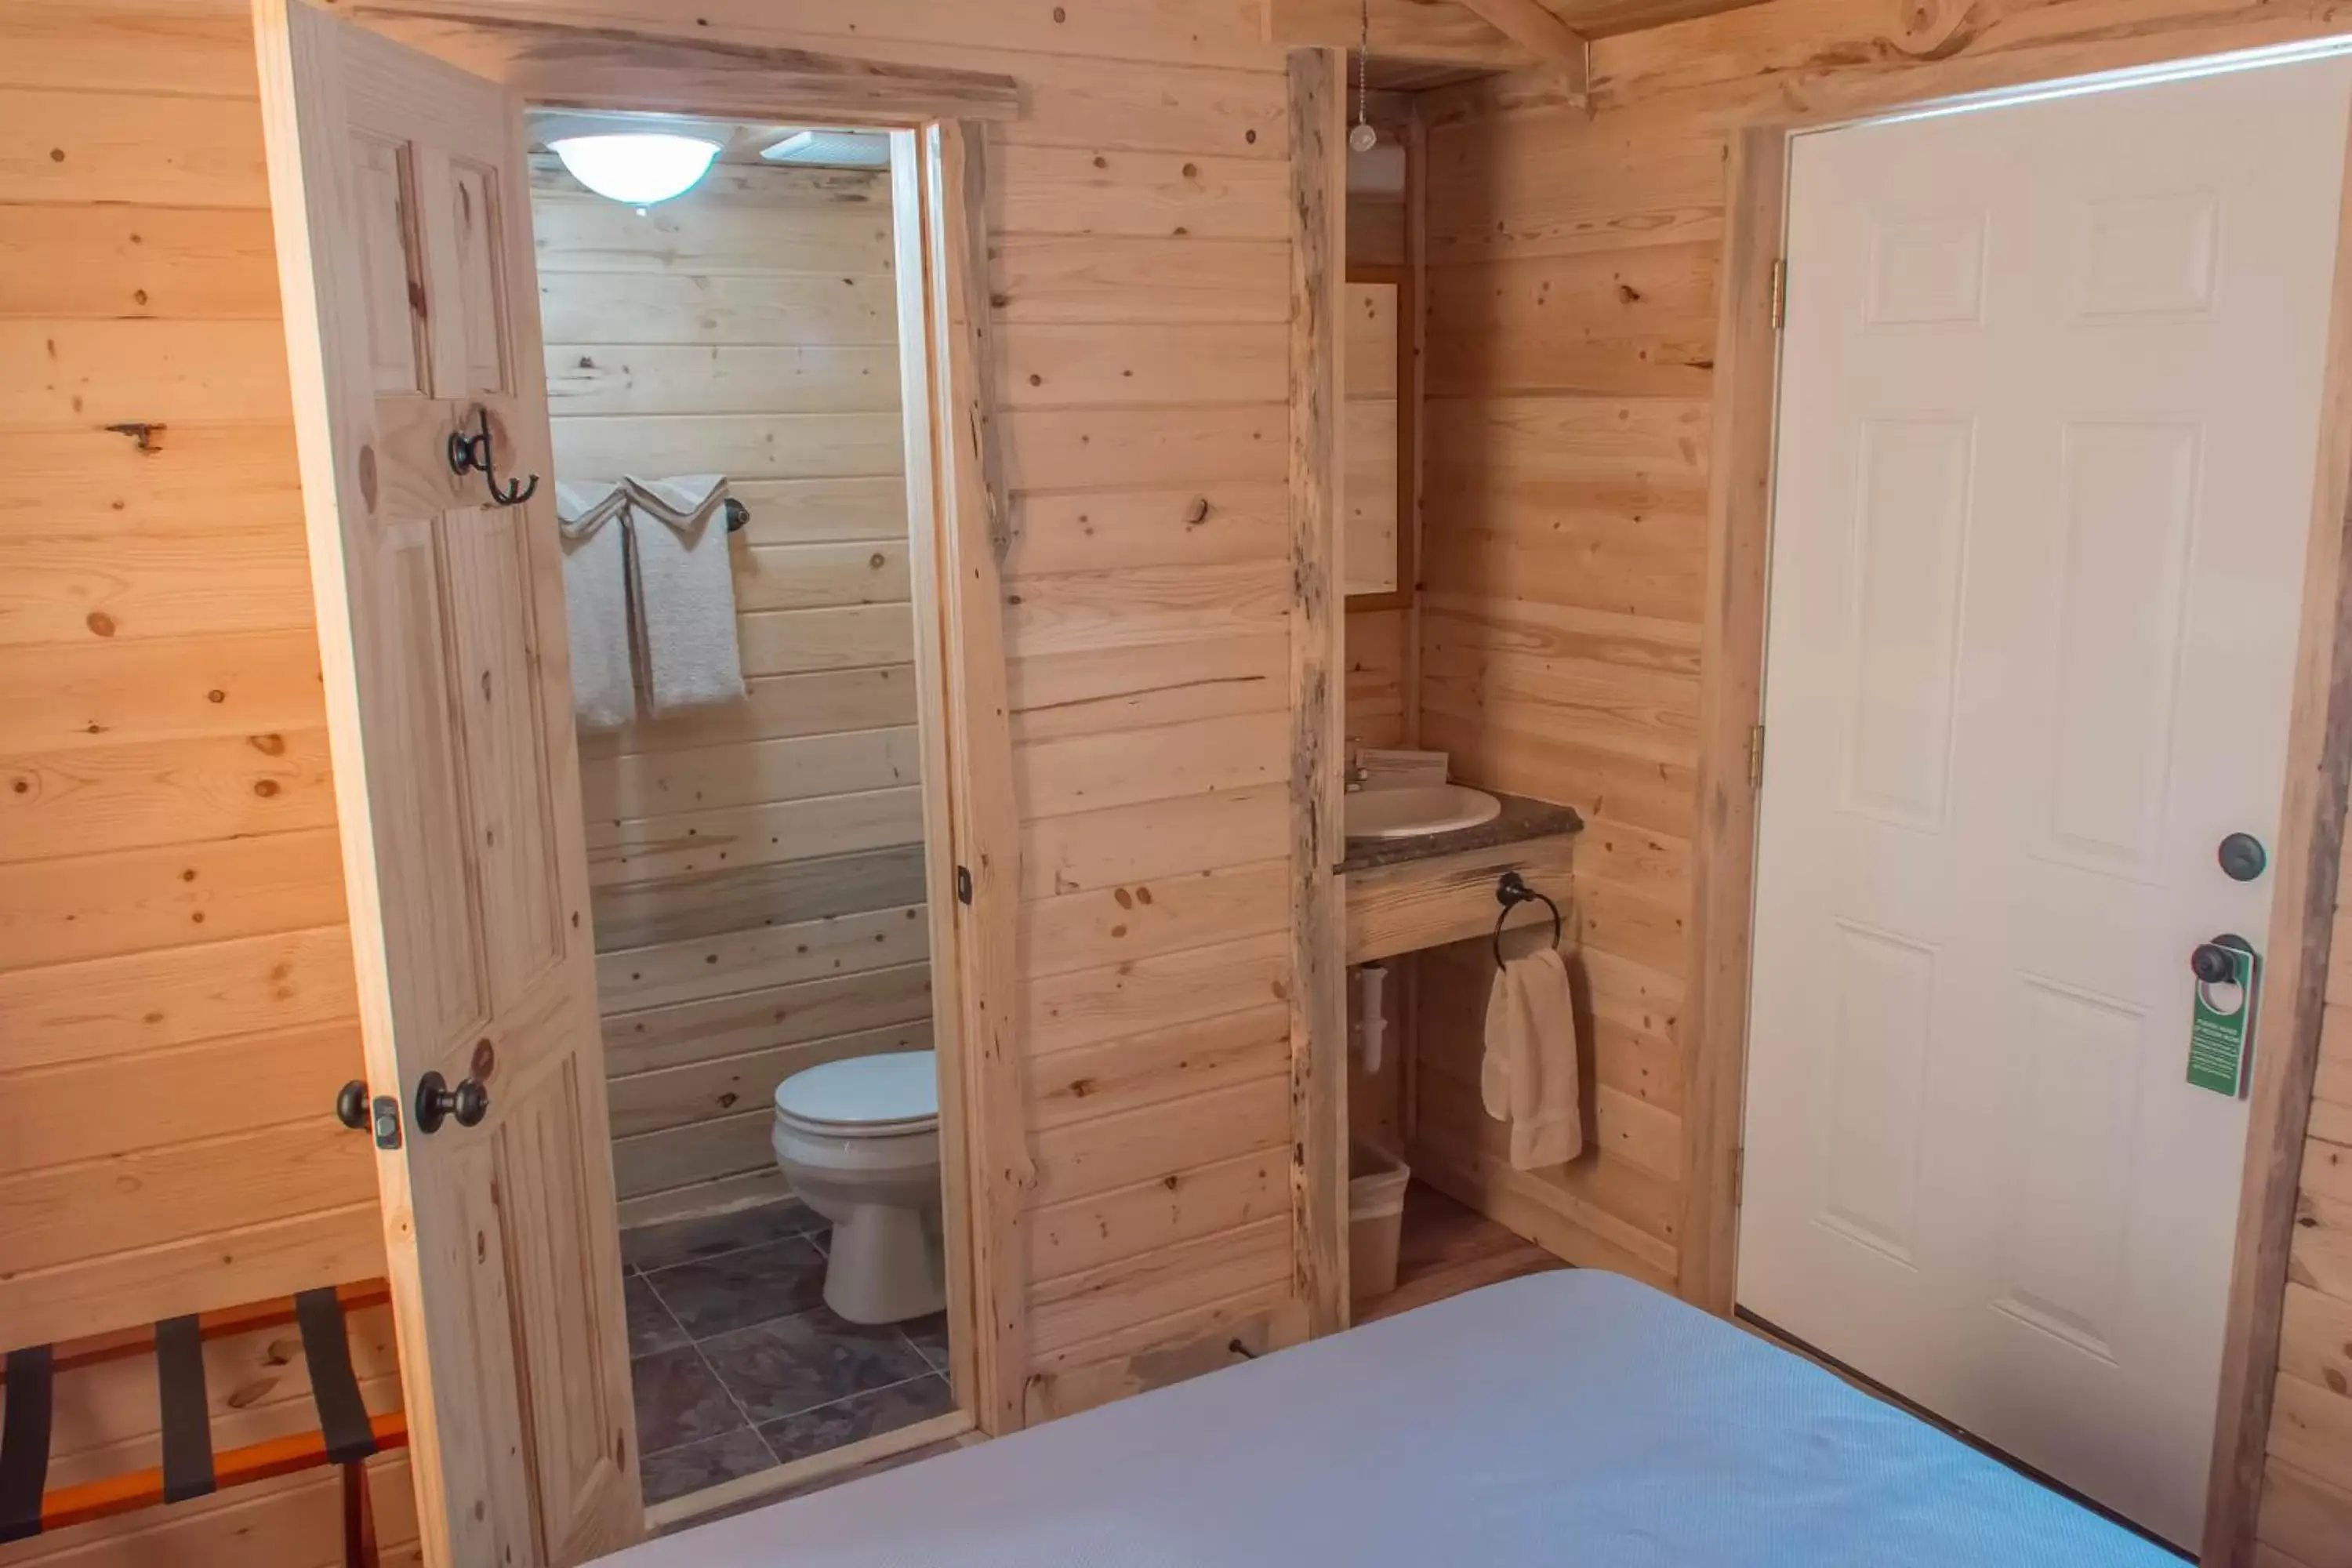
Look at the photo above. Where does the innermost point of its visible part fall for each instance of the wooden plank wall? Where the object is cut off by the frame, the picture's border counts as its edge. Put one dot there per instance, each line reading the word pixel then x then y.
pixel 1574 265
pixel 1564 558
pixel 176 1004
pixel 749 328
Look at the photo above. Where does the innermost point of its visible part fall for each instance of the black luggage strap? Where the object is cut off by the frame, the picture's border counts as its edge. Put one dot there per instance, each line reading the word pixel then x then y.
pixel 25 1444
pixel 342 1414
pixel 187 1423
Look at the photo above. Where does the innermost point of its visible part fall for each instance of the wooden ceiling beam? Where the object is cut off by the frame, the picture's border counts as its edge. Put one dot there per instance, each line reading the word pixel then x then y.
pixel 1484 35
pixel 1437 31
pixel 1542 33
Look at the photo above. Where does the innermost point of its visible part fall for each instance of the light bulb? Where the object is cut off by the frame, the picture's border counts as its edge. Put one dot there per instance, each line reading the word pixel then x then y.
pixel 638 168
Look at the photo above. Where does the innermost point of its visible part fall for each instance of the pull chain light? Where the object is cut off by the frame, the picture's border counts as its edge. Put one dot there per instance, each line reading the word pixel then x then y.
pixel 1363 138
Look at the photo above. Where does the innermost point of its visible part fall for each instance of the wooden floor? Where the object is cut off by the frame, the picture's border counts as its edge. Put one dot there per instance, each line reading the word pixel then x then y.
pixel 1447 1249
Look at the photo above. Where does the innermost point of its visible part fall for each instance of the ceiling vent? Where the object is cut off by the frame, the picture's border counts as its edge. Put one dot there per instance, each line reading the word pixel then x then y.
pixel 831 150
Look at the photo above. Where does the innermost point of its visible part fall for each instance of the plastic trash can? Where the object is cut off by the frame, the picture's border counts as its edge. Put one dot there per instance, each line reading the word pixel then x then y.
pixel 1376 1183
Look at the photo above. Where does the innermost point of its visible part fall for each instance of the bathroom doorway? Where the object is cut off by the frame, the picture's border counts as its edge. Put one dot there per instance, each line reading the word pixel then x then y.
pixel 411 282
pixel 731 430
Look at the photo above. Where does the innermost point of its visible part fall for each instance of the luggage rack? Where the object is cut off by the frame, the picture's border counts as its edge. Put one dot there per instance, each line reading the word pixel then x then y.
pixel 347 1433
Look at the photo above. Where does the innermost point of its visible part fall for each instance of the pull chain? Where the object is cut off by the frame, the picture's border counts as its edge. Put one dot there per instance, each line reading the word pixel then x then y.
pixel 1363 138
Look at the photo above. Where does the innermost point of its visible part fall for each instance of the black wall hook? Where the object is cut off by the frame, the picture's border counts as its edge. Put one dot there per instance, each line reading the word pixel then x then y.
pixel 470 454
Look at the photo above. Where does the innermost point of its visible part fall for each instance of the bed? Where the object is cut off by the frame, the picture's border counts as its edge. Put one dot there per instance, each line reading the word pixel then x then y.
pixel 1567 1419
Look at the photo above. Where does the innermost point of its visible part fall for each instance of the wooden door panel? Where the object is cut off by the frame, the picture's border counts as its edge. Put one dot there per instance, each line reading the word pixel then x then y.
pixel 477 210
pixel 405 257
pixel 510 804
pixel 544 1175
pixel 440 992
pixel 391 275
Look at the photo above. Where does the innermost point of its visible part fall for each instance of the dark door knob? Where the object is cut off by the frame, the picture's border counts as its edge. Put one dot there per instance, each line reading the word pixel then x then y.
pixel 437 1101
pixel 352 1105
pixel 2213 963
pixel 2242 857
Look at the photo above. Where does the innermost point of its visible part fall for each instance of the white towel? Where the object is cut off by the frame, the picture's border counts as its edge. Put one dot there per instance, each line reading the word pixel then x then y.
pixel 597 600
pixel 685 593
pixel 1528 1076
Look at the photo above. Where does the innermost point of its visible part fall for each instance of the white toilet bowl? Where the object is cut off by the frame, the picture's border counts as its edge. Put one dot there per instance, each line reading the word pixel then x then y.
pixel 858 1140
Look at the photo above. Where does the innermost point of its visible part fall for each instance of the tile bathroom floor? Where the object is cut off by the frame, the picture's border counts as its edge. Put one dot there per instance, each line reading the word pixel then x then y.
pixel 738 1366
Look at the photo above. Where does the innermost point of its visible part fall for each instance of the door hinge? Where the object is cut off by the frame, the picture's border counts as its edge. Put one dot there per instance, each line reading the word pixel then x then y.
pixel 1779 293
pixel 1756 756
pixel 964 885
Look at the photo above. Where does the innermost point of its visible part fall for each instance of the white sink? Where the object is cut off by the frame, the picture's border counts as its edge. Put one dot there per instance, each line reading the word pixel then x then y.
pixel 1417 810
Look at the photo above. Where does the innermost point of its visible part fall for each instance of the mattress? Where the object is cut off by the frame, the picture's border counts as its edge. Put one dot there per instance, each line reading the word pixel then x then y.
pixel 1566 1419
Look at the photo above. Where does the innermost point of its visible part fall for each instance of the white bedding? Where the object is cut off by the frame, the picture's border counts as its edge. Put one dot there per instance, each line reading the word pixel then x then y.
pixel 1567 1419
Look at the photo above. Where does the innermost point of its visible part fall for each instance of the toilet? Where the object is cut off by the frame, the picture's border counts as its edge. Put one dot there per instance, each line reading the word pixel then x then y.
pixel 858 1140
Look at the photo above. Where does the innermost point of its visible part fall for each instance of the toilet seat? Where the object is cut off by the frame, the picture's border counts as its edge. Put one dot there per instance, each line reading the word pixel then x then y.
pixel 893 1095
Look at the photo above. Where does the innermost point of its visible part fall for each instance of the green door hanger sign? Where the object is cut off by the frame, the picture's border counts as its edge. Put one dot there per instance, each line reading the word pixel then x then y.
pixel 2221 1021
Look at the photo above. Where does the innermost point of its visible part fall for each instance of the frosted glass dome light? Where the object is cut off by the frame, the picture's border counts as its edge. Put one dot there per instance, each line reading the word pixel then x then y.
pixel 640 167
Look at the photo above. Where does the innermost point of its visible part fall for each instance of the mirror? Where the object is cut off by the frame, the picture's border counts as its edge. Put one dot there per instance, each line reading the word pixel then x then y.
pixel 1375 434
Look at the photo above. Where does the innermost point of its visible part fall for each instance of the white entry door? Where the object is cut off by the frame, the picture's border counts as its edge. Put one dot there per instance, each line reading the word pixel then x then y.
pixel 2048 411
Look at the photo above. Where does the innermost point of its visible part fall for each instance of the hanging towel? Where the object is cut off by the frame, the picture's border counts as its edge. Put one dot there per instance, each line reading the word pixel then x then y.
pixel 685 593
pixel 597 601
pixel 1528 1076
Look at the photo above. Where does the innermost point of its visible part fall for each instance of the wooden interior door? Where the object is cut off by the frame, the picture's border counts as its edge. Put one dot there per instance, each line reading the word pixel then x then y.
pixel 403 234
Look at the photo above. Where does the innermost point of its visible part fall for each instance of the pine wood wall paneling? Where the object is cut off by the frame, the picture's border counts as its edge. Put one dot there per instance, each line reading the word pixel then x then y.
pixel 175 997
pixel 782 371
pixel 1109 77
pixel 1564 559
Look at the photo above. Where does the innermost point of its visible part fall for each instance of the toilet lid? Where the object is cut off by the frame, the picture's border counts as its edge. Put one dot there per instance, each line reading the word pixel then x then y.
pixel 897 1091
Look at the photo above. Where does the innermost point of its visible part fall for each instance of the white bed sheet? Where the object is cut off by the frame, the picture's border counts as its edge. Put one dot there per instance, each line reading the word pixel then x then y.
pixel 1572 1418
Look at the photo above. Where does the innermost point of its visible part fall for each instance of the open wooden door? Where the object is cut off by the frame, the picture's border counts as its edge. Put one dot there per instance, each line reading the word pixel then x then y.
pixel 404 239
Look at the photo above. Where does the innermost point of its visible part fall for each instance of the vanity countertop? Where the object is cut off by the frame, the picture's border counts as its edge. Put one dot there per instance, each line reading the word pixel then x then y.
pixel 1521 818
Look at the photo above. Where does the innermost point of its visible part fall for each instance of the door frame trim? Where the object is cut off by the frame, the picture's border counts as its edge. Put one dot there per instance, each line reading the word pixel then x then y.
pixel 2309 851
pixel 2303 918
pixel 1317 100
pixel 959 531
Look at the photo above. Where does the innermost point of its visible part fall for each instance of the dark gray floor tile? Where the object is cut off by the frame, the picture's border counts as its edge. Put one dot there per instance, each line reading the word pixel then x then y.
pixel 653 1246
pixel 930 1337
pixel 860 1416
pixel 679 1399
pixel 674 1472
pixel 737 1289
pixel 651 1328
pixel 783 1368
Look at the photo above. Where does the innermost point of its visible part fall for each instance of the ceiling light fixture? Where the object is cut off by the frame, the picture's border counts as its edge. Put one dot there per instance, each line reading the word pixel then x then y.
pixel 639 168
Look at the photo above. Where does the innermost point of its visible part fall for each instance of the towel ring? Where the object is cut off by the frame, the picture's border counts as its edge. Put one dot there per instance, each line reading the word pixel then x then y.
pixel 1512 891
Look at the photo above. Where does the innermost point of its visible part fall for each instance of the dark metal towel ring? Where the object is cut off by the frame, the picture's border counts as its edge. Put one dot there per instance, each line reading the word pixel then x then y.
pixel 1511 892
pixel 470 454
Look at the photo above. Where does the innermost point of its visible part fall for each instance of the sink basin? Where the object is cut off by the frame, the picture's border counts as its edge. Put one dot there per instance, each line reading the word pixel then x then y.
pixel 1417 810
